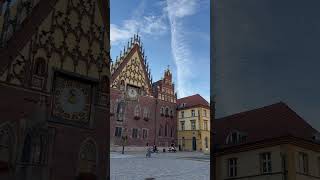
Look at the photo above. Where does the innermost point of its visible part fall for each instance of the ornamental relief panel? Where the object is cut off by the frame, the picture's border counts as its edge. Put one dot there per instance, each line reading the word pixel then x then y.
pixel 133 74
pixel 71 38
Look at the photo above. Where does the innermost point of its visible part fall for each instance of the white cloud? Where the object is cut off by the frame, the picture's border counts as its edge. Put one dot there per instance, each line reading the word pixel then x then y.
pixel 181 8
pixel 176 10
pixel 139 23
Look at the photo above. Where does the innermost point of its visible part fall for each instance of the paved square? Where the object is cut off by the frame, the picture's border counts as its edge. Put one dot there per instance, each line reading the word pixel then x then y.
pixel 161 166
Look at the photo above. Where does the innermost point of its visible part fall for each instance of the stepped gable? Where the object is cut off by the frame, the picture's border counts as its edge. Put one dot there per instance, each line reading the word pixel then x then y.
pixel 273 121
pixel 134 71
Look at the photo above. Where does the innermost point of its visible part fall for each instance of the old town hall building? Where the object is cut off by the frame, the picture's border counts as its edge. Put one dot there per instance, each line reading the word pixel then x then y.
pixel 54 65
pixel 142 112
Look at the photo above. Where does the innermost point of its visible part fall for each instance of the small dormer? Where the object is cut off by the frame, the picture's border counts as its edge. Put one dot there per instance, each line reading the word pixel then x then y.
pixel 316 137
pixel 236 137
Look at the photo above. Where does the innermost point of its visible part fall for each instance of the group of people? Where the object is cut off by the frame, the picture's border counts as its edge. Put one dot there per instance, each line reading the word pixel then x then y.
pixel 154 149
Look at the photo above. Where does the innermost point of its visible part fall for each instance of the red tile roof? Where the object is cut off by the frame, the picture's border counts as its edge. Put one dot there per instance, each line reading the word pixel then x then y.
pixel 192 101
pixel 273 121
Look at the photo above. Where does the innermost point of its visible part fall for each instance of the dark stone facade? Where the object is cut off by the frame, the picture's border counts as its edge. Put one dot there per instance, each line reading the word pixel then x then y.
pixel 33 144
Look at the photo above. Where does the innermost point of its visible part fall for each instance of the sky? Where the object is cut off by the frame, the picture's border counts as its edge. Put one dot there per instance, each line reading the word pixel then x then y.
pixel 267 51
pixel 174 33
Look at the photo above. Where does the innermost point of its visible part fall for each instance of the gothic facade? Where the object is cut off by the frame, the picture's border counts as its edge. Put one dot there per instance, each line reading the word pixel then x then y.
pixel 54 67
pixel 142 111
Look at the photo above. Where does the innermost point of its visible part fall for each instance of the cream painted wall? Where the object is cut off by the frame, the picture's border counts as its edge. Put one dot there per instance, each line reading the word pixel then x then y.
pixel 314 166
pixel 248 164
pixel 199 132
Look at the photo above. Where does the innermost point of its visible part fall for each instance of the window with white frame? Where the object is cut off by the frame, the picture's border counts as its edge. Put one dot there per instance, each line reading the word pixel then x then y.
pixel 232 167
pixel 182 125
pixel 118 132
pixel 205 125
pixel 134 133
pixel 303 163
pixel 265 162
pixel 144 133
pixel 137 111
pixel 193 113
pixel 193 124
pixel 204 113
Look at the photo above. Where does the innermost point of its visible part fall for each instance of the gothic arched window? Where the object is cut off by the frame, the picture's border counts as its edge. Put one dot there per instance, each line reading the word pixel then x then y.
pixel 120 111
pixel 40 67
pixel 137 111
pixel 162 111
pixel 166 130
pixel 26 152
pixel 167 111
pixel 145 113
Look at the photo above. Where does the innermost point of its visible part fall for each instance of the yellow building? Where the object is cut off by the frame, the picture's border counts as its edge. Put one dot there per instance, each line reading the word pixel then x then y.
pixel 269 143
pixel 193 124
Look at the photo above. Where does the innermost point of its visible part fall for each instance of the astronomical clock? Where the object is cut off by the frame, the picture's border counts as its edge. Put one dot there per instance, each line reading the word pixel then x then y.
pixel 132 92
pixel 72 101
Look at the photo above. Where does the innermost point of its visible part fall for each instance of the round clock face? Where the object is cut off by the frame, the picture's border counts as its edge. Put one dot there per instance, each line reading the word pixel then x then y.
pixel 132 93
pixel 72 100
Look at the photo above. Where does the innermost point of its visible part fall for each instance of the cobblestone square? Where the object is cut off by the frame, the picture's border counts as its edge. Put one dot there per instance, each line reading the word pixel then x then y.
pixel 161 166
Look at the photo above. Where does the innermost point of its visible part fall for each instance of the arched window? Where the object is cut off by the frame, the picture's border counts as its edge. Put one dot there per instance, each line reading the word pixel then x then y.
pixel 33 149
pixel 171 113
pixel 166 130
pixel 26 152
pixel 167 111
pixel 40 67
pixel 36 151
pixel 145 113
pixel 120 111
pixel 162 111
pixel 137 111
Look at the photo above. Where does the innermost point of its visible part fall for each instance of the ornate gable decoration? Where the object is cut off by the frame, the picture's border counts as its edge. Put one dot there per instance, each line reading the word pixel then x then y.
pixel 132 67
pixel 71 35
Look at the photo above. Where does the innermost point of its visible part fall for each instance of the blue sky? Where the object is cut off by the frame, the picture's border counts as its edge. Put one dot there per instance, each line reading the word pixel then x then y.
pixel 174 33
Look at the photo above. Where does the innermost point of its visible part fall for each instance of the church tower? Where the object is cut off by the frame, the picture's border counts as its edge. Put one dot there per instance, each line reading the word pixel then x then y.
pixel 164 89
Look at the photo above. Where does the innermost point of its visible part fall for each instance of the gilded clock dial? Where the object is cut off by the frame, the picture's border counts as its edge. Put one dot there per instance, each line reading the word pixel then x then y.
pixel 72 100
pixel 132 93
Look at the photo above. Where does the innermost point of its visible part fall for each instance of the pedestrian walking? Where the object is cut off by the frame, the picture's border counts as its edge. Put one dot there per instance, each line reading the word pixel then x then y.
pixel 148 155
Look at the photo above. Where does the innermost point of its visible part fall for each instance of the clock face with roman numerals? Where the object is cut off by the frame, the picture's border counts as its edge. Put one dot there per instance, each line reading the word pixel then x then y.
pixel 72 99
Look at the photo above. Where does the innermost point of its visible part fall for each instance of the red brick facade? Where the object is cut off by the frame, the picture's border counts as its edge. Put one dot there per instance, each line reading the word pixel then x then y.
pixel 147 118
